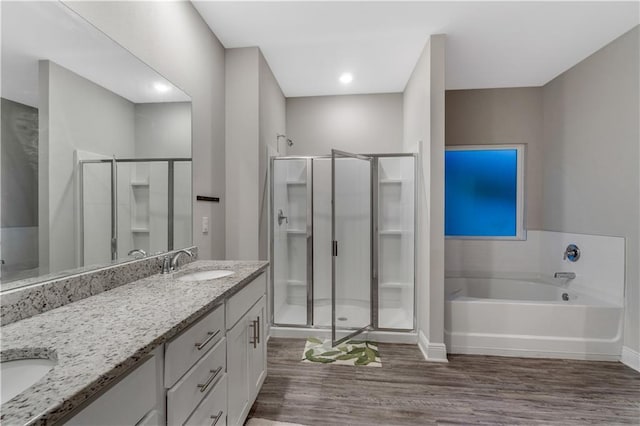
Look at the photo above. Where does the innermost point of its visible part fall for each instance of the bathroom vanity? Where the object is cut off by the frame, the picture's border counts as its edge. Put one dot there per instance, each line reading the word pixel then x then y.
pixel 166 349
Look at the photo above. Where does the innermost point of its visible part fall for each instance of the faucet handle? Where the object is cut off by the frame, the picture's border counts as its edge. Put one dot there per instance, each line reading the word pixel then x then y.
pixel 166 265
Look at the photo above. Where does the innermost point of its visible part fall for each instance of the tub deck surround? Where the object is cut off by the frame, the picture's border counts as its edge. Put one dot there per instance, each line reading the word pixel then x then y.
pixel 26 298
pixel 530 318
pixel 99 338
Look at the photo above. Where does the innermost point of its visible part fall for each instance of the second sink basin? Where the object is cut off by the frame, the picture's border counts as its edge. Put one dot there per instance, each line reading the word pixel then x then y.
pixel 205 275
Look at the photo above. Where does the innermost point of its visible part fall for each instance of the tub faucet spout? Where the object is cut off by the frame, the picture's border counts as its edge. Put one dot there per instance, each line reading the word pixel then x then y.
pixel 565 275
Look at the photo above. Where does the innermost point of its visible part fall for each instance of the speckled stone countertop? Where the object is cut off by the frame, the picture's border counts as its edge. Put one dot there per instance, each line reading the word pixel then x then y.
pixel 97 339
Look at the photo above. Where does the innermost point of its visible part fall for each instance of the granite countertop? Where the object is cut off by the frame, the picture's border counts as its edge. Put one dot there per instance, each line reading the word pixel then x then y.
pixel 97 339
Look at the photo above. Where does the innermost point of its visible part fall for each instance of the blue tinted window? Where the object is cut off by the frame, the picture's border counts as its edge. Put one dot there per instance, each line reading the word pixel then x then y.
pixel 481 193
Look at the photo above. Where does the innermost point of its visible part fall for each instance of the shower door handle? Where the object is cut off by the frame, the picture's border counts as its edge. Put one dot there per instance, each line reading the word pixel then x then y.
pixel 334 249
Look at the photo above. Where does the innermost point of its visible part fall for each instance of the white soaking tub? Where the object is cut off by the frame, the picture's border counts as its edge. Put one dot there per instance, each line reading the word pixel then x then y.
pixel 529 318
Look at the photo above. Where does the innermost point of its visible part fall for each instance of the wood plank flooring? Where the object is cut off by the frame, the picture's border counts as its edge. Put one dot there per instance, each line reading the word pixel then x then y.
pixel 470 389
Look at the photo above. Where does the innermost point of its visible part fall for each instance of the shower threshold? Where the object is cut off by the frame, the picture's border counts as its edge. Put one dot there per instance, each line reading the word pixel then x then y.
pixel 408 337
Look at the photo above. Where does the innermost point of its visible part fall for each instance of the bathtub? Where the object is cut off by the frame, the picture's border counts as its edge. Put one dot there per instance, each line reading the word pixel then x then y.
pixel 527 317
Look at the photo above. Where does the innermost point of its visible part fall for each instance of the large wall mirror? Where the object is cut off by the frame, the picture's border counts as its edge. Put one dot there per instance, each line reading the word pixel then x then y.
pixel 96 149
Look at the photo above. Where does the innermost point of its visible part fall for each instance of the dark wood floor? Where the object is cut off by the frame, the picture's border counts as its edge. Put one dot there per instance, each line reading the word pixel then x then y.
pixel 468 390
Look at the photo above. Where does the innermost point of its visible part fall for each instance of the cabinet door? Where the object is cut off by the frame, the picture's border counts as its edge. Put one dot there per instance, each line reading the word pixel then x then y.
pixel 257 348
pixel 126 403
pixel 237 372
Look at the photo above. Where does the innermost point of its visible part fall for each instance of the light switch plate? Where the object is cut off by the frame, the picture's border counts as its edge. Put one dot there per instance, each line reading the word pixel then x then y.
pixel 205 224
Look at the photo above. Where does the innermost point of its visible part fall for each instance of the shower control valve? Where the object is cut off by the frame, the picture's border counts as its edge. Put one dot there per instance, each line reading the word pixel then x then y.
pixel 571 253
pixel 282 218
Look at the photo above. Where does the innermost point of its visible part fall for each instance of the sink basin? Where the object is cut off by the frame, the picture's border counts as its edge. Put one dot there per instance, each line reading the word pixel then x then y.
pixel 20 374
pixel 205 275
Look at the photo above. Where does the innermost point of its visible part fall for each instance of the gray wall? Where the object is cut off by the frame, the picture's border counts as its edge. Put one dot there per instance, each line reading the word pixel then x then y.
pixel 242 153
pixel 19 164
pixel 255 115
pixel 424 127
pixel 502 116
pixel 272 121
pixel 591 144
pixel 174 40
pixel 163 130
pixel 19 203
pixel 354 123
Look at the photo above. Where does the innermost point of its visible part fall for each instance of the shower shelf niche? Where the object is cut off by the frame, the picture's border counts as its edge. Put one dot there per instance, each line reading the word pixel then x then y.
pixel 296 232
pixel 140 230
pixel 397 232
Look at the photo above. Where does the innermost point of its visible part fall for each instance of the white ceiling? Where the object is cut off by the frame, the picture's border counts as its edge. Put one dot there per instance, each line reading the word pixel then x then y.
pixel 49 30
pixel 489 44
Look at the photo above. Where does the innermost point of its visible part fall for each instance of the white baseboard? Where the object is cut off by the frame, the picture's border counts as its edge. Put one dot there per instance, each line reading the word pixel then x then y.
pixel 529 353
pixel 630 358
pixel 434 352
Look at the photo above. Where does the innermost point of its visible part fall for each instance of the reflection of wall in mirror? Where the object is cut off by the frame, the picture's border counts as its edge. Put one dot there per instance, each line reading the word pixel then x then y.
pixel 83 116
pixel 19 202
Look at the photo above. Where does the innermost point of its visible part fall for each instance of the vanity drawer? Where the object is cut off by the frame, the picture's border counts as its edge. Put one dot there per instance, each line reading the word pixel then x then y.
pixel 241 302
pixel 194 386
pixel 213 409
pixel 184 350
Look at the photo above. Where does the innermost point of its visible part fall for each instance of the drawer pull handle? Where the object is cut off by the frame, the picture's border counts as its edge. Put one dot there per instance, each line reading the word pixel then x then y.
pixel 257 330
pixel 203 387
pixel 254 342
pixel 211 335
pixel 216 418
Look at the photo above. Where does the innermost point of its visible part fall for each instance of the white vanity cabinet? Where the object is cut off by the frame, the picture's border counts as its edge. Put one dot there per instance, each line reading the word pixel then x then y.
pixel 246 349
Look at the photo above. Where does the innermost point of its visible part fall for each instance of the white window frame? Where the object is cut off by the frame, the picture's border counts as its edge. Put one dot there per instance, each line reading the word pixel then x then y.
pixel 521 232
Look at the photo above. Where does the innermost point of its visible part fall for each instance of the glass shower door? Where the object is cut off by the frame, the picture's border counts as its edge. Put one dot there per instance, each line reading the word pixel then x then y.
pixel 351 231
pixel 292 242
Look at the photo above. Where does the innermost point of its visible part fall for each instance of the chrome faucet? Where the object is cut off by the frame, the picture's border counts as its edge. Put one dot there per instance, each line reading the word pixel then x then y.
pixel 137 251
pixel 174 259
pixel 565 275
pixel 170 263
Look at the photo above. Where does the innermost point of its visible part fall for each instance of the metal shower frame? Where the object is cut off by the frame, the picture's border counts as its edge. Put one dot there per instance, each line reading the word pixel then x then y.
pixel 374 241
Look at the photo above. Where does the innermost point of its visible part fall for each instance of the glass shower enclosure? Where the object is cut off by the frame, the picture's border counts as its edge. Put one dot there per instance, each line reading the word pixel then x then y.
pixel 343 242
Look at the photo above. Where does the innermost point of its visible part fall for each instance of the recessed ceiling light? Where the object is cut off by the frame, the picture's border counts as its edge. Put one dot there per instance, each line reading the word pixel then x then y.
pixel 161 87
pixel 346 78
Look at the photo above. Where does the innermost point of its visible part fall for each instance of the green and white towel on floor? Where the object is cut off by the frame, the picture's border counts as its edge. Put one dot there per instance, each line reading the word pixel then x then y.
pixel 352 352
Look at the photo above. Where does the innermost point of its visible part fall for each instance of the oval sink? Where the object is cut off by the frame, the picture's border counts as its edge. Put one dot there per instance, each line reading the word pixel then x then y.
pixel 205 275
pixel 20 374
